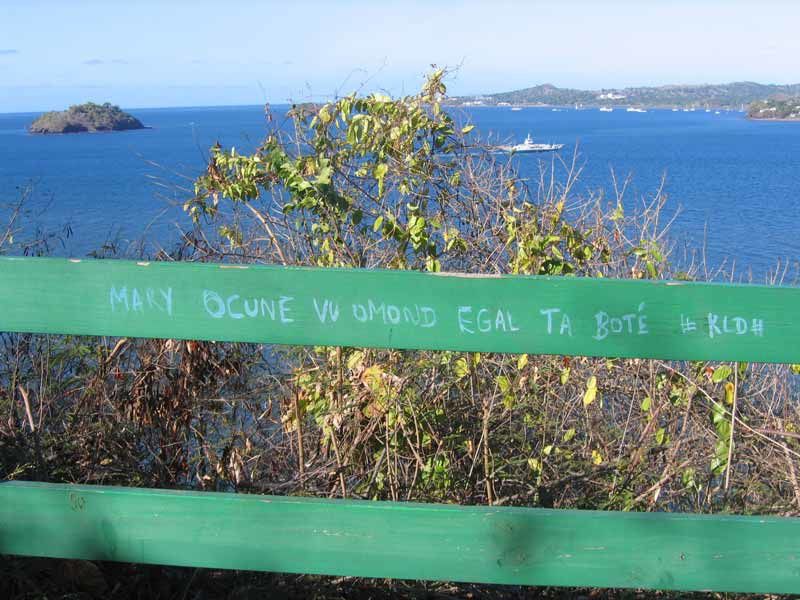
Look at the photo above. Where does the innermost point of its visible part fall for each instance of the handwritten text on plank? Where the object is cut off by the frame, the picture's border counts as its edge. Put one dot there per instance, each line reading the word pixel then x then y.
pixel 466 319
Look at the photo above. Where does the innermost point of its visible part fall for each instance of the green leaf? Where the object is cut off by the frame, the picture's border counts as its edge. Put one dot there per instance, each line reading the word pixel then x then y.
pixel 373 377
pixel 461 368
pixel 433 265
pixel 355 359
pixel 503 383
pixel 647 403
pixel 465 130
pixel 591 391
pixel 380 173
pixel 324 177
pixel 569 434
pixel 378 223
pixel 416 225
pixel 324 115
pixel 718 413
pixel 722 425
pixel 688 478
pixel 661 435
pixel 720 460
pixel 721 374
pixel 522 361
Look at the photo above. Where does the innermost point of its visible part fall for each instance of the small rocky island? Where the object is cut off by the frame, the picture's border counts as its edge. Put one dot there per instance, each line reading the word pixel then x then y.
pixel 787 109
pixel 89 117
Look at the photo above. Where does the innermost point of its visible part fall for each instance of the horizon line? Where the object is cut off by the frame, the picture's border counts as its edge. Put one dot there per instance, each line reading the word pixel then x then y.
pixel 461 95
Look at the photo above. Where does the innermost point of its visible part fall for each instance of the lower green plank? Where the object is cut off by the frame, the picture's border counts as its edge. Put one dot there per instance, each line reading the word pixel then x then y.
pixel 402 540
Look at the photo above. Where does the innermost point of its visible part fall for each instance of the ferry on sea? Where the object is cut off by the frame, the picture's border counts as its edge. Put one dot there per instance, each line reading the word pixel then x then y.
pixel 529 146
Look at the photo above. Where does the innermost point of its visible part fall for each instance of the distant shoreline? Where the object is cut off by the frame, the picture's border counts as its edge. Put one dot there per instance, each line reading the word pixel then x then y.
pixel 772 120
pixel 96 131
pixel 620 107
pixel 724 96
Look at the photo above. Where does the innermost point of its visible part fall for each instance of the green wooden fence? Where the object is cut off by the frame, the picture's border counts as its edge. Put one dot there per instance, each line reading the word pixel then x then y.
pixel 390 309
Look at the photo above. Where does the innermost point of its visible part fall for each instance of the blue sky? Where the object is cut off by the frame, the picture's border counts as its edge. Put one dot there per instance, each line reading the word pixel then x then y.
pixel 202 52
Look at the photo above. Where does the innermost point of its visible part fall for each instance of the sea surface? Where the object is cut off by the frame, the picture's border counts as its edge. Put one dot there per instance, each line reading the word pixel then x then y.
pixel 733 184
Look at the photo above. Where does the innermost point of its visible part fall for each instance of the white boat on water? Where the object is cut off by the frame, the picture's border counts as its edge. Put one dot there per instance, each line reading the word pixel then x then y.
pixel 606 109
pixel 516 108
pixel 529 146
pixel 637 110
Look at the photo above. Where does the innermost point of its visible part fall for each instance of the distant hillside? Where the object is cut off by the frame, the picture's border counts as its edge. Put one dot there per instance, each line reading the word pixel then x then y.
pixel 85 118
pixel 786 110
pixel 544 94
pixel 729 95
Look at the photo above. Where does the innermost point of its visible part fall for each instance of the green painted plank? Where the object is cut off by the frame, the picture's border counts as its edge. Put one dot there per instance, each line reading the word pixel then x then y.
pixel 391 309
pixel 402 540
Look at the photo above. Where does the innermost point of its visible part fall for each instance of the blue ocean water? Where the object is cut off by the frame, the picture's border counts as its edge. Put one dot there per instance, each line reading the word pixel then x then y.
pixel 736 182
pixel 119 186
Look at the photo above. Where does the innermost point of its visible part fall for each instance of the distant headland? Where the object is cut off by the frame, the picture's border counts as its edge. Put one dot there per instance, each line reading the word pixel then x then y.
pixel 89 117
pixel 729 96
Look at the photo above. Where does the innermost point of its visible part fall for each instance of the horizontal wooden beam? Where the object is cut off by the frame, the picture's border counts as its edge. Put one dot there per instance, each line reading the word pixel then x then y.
pixel 401 309
pixel 402 540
